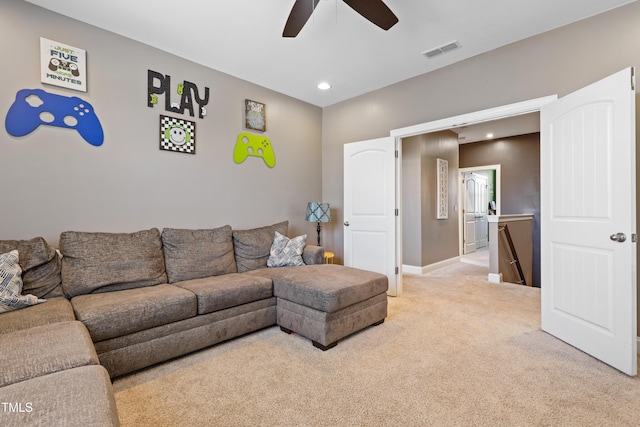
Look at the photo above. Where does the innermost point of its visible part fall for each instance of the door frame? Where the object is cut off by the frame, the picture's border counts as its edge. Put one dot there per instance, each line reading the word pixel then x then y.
pixel 496 113
pixel 461 219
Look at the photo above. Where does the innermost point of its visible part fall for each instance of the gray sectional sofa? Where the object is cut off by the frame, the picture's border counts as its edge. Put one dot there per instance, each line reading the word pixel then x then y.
pixel 119 302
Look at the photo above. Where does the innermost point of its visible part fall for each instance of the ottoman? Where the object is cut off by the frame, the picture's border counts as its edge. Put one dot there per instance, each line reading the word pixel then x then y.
pixel 328 302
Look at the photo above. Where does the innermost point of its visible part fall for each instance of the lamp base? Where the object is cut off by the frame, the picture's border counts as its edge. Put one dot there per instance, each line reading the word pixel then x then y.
pixel 318 229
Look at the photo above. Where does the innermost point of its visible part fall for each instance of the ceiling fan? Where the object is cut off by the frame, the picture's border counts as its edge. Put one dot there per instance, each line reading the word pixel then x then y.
pixel 374 10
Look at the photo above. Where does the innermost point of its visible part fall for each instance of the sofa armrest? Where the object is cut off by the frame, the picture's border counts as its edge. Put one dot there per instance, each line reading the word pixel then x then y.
pixel 313 254
pixel 53 310
pixel 43 350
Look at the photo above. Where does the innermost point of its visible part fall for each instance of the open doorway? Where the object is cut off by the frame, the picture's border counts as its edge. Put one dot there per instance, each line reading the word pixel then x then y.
pixel 474 192
pixel 610 104
pixel 430 243
pixel 478 196
pixel 519 157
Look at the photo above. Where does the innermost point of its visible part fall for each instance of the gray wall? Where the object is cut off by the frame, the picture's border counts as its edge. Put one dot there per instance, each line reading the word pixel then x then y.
pixel 426 239
pixel 557 62
pixel 519 157
pixel 55 181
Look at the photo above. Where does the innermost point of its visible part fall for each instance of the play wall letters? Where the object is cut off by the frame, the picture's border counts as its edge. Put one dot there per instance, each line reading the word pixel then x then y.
pixel 160 84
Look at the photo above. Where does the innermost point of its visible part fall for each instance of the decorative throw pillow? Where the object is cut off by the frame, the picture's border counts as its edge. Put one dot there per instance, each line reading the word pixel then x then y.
pixel 286 252
pixel 11 284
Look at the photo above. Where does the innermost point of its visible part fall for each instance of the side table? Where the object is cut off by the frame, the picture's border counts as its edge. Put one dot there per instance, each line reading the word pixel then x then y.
pixel 328 257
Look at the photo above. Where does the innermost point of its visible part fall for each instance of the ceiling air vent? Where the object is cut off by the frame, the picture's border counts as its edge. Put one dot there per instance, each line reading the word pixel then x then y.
pixel 442 49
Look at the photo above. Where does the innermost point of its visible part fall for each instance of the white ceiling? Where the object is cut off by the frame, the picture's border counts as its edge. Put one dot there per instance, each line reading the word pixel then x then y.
pixel 502 128
pixel 244 37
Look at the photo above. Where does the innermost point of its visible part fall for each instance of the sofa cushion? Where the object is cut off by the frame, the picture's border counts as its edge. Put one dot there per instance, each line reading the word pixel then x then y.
pixel 43 350
pixel 111 261
pixel 114 314
pixel 192 254
pixel 11 297
pixel 142 349
pixel 252 247
pixel 40 266
pixel 76 397
pixel 286 252
pixel 230 290
pixel 324 287
pixel 53 310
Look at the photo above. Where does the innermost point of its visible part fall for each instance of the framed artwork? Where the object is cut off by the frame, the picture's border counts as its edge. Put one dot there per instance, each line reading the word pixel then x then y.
pixel 254 115
pixel 442 189
pixel 63 65
pixel 177 135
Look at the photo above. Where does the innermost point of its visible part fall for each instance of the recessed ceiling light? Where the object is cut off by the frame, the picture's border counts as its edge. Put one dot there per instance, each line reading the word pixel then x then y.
pixel 324 86
pixel 489 135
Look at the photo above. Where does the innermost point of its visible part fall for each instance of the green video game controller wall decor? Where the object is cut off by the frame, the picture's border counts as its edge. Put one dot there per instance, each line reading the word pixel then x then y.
pixel 255 146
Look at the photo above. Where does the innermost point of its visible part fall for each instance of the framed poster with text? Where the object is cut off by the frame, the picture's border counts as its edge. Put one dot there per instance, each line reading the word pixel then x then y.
pixel 254 115
pixel 63 65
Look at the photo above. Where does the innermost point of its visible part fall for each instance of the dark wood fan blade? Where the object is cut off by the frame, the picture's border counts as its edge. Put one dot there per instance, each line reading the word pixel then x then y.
pixel 375 11
pixel 300 13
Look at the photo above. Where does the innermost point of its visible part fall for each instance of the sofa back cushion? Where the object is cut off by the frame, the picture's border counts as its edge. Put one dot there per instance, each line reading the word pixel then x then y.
pixel 100 262
pixel 40 265
pixel 193 254
pixel 252 247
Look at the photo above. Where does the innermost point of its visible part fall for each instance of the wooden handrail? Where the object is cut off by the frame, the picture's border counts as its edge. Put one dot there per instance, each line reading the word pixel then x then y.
pixel 514 254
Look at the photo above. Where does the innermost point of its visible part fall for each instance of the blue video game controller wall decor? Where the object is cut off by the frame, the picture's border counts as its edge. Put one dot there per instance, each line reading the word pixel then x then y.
pixel 35 107
pixel 255 146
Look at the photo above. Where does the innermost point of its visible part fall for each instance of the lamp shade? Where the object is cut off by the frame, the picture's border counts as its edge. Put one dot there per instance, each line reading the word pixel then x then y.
pixel 318 212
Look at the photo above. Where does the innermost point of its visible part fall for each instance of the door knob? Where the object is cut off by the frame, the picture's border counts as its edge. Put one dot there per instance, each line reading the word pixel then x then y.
pixel 618 237
pixel 346 223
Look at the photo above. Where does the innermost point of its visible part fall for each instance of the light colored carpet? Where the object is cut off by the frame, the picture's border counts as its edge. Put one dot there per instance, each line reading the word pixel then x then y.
pixel 454 350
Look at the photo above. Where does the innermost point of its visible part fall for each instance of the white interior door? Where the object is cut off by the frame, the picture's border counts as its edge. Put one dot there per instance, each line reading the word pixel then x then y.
pixel 588 199
pixel 369 208
pixel 482 206
pixel 469 213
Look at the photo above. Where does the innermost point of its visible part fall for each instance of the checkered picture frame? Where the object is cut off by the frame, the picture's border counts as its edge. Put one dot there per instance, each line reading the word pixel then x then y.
pixel 167 122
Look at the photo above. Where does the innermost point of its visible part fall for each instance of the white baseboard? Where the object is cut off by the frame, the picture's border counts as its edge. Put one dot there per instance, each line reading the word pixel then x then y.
pixel 412 269
pixel 495 278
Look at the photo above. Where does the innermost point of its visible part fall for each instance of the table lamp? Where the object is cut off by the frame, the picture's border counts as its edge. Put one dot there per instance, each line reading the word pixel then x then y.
pixel 318 212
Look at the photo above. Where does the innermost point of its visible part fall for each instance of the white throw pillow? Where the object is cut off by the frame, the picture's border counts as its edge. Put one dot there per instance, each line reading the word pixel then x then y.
pixel 11 284
pixel 286 252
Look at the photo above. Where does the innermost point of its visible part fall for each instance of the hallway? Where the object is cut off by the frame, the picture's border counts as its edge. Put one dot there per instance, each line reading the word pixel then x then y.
pixel 479 257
